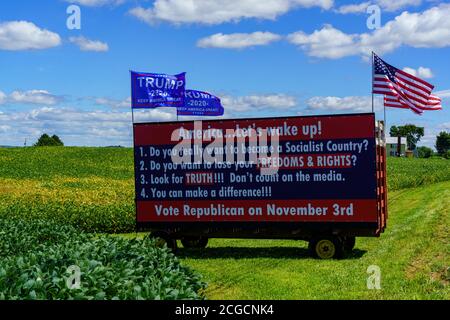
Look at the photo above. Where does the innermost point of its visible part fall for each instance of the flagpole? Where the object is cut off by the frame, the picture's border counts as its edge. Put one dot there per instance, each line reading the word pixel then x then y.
pixel 384 115
pixel 373 73
pixel 132 139
pixel 132 109
pixel 131 105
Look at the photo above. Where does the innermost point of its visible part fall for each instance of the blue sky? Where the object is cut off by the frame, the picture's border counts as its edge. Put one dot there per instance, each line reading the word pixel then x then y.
pixel 263 58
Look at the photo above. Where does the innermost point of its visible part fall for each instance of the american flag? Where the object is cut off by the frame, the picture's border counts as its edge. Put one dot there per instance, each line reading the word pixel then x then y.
pixel 401 89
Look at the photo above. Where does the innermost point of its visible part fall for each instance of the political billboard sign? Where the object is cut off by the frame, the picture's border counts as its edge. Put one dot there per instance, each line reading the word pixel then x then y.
pixel 323 169
pixel 152 90
pixel 200 103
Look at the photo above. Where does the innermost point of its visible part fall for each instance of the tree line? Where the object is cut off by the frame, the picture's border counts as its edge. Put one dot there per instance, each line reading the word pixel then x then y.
pixel 413 135
pixel 46 140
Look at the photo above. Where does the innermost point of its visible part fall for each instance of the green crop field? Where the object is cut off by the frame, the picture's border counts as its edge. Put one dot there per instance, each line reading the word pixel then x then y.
pixel 57 206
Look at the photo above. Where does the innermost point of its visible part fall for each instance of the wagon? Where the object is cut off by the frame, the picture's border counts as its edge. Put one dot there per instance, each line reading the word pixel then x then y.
pixel 327 188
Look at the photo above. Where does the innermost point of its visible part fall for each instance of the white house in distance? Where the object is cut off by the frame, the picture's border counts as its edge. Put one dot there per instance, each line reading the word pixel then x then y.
pixel 391 146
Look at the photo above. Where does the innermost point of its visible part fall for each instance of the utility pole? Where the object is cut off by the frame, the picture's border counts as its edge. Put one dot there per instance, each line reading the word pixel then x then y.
pixel 25 143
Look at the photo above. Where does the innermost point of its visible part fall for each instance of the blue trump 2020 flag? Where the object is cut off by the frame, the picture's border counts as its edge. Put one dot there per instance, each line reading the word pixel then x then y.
pixel 200 103
pixel 152 90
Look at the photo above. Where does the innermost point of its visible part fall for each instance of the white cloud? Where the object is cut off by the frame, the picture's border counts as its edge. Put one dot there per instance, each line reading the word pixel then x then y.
pixel 76 117
pixel 113 103
pixel 347 104
pixel 220 11
pixel 96 3
pixel 113 127
pixel 238 40
pixel 89 45
pixel 76 126
pixel 420 72
pixel 443 93
pixel 385 5
pixel 353 8
pixel 5 128
pixel 428 29
pixel 2 97
pixel 24 35
pixel 258 102
pixel 160 114
pixel 70 115
pixel 325 43
pixel 431 130
pixel 390 5
pixel 42 97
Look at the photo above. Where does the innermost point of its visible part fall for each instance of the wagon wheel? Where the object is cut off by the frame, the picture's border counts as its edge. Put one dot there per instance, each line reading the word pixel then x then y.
pixel 194 242
pixel 326 247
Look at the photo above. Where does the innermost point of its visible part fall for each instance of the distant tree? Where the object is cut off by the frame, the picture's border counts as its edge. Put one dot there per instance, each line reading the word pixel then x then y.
pixel 424 152
pixel 410 131
pixel 46 140
pixel 443 142
pixel 57 140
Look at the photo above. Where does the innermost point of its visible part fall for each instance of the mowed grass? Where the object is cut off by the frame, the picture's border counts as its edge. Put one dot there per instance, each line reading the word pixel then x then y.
pixel 93 190
pixel 413 255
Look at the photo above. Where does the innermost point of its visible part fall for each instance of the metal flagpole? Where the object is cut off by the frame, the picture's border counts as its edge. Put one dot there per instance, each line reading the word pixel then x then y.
pixel 132 137
pixel 132 112
pixel 131 105
pixel 384 111
pixel 384 106
pixel 373 73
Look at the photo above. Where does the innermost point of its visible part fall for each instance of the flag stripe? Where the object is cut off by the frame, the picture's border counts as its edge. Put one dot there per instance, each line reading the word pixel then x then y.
pixel 401 84
pixel 389 86
pixel 388 102
pixel 418 98
pixel 413 90
pixel 416 102
pixel 405 100
pixel 433 104
pixel 411 84
pixel 419 91
pixel 404 106
pixel 410 76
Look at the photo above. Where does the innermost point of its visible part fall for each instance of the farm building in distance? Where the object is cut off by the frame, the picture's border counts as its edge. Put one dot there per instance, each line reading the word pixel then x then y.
pixel 391 146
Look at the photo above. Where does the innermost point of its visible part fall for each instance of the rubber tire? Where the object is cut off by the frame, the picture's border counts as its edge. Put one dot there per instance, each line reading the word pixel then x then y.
pixel 165 239
pixel 349 244
pixel 195 242
pixel 335 242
